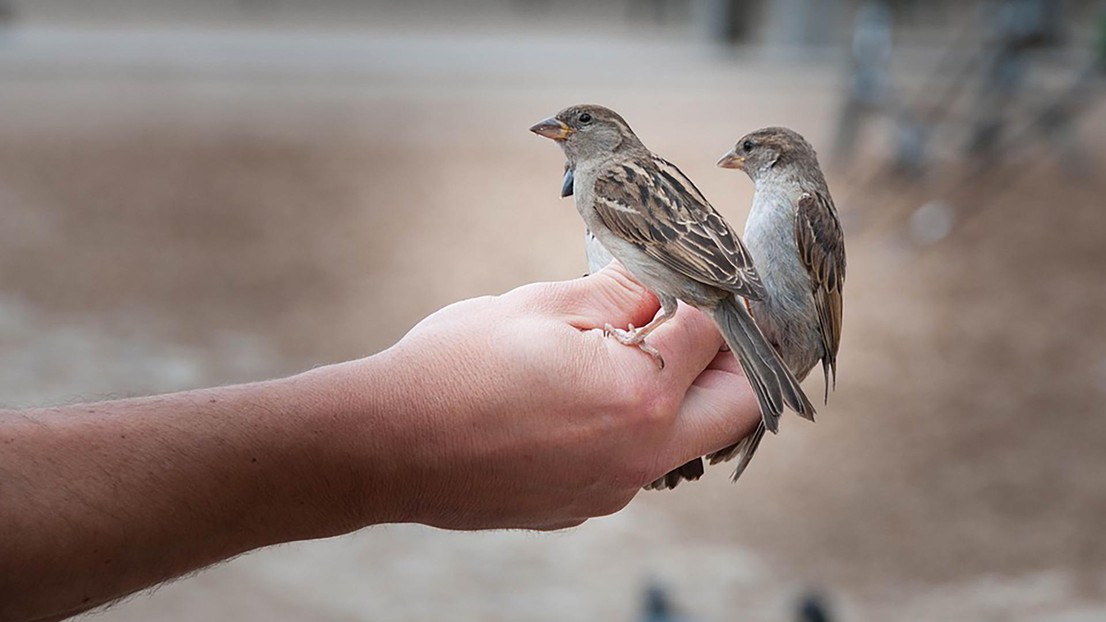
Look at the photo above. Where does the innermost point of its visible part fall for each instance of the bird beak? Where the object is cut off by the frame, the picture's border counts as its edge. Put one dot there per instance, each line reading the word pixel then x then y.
pixel 732 160
pixel 552 128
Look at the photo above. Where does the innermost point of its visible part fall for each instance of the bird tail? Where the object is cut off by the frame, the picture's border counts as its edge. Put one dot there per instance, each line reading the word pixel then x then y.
pixel 773 383
pixel 690 471
pixel 745 448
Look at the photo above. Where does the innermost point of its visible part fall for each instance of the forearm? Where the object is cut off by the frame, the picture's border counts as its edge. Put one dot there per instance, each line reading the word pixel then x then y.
pixel 99 500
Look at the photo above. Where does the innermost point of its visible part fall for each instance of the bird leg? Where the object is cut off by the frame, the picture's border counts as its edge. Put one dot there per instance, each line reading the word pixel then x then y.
pixel 636 336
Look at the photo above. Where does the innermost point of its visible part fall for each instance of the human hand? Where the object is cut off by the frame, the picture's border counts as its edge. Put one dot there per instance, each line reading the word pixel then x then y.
pixel 498 412
pixel 515 411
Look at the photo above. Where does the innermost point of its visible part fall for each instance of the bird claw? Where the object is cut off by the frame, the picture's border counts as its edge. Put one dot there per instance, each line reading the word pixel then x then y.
pixel 653 352
pixel 633 337
pixel 627 337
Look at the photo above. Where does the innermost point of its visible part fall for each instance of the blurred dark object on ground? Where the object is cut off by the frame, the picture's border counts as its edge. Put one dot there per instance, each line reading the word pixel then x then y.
pixel 813 608
pixel 657 606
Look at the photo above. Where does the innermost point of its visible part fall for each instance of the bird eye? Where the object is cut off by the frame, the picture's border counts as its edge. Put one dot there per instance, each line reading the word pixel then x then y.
pixel 747 146
pixel 585 118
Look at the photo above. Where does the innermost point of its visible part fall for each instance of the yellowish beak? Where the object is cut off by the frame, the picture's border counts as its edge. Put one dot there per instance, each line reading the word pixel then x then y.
pixel 732 160
pixel 552 128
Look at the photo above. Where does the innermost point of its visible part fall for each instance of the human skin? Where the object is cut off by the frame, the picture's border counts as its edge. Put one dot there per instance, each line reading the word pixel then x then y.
pixel 509 411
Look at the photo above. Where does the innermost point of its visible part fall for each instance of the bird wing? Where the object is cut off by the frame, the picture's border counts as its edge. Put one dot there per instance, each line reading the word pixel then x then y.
pixel 822 250
pixel 654 206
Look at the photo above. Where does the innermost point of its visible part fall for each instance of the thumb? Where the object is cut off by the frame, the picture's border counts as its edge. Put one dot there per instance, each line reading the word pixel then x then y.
pixel 610 296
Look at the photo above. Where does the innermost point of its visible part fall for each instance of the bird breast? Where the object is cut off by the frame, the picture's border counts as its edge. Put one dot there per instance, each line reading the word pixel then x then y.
pixel 787 315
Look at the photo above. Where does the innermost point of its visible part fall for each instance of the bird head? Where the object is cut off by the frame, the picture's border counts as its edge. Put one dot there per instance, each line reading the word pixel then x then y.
pixel 588 131
pixel 769 149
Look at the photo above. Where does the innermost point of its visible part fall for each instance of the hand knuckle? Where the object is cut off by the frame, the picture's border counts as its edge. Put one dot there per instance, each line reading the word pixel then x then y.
pixel 655 407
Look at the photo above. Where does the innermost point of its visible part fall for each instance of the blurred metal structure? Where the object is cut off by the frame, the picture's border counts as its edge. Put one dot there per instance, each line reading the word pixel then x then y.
pixel 1015 79
pixel 869 80
pixel 985 68
pixel 1014 30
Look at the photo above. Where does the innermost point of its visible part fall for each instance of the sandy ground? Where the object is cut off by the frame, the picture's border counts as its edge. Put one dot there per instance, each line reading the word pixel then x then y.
pixel 168 226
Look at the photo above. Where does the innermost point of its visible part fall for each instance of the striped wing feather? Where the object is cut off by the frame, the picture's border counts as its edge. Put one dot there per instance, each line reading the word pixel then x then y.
pixel 822 250
pixel 656 207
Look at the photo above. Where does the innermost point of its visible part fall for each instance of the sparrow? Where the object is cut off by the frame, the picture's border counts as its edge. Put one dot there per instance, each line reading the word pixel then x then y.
pixel 598 258
pixel 647 214
pixel 795 238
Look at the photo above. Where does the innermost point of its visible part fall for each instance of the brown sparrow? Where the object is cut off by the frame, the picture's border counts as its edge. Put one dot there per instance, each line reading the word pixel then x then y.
pixel 795 238
pixel 650 217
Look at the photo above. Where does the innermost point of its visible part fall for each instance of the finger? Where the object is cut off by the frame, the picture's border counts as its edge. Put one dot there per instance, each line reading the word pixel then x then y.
pixel 725 361
pixel 610 296
pixel 718 410
pixel 688 343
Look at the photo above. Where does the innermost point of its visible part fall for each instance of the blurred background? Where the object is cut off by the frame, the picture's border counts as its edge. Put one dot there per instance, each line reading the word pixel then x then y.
pixel 219 191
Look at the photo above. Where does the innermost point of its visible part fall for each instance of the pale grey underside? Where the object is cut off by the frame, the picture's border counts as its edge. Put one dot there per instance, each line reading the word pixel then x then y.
pixel 598 255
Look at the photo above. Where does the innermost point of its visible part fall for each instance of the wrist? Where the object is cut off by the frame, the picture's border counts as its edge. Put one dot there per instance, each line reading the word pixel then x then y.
pixel 355 441
pixel 405 432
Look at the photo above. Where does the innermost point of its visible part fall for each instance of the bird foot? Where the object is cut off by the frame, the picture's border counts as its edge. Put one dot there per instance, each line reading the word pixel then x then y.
pixel 634 337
